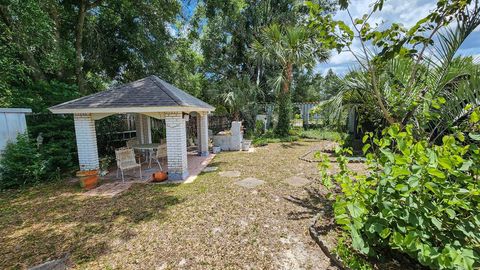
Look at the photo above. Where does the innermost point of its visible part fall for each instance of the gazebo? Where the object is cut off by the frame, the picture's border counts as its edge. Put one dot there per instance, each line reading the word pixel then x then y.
pixel 148 97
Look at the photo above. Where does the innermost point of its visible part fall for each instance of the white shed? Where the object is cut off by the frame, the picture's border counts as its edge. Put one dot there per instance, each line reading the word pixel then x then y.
pixel 12 122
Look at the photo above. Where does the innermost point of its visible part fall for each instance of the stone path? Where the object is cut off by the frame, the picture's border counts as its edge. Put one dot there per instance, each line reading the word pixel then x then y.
pixel 210 169
pixel 109 189
pixel 231 174
pixel 250 182
pixel 297 181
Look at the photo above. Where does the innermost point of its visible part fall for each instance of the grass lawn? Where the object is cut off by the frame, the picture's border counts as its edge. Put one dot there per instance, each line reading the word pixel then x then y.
pixel 211 223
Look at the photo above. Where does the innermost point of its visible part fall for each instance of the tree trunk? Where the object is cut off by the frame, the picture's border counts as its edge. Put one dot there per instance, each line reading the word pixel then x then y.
pixel 288 78
pixel 82 11
pixel 56 19
pixel 236 116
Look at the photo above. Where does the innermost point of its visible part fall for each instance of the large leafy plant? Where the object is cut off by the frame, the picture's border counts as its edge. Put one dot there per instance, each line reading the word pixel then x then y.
pixel 418 198
pixel 403 71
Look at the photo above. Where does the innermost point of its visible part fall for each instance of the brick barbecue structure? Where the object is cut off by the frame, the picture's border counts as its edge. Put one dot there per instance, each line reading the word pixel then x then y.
pixel 148 97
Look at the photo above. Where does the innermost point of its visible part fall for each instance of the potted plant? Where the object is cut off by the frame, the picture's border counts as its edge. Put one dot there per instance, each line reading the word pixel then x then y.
pixel 88 178
pixel 104 164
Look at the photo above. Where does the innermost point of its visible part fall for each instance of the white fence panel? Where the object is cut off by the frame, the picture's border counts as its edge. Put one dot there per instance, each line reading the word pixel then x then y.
pixel 12 122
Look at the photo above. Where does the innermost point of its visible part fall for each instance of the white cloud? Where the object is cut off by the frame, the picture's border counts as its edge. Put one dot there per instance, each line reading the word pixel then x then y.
pixel 406 12
pixel 341 58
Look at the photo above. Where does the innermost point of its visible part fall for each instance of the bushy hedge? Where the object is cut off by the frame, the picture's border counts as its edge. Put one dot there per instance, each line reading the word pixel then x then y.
pixel 420 199
pixel 58 147
pixel 29 161
pixel 21 164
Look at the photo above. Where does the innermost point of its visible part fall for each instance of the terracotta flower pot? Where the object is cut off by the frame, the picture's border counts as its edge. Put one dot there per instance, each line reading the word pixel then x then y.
pixel 159 176
pixel 88 179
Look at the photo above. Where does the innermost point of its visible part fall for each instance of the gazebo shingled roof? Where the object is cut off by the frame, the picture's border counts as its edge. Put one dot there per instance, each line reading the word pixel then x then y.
pixel 147 98
pixel 147 94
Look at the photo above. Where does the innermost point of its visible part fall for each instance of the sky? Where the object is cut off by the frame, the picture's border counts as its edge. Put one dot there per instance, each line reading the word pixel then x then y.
pixel 406 12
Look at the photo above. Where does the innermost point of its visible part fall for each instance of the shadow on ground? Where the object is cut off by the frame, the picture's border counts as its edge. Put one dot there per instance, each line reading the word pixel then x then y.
pixel 313 203
pixel 292 145
pixel 48 221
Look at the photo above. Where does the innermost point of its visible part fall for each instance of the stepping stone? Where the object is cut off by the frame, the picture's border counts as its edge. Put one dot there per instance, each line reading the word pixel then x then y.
pixel 60 264
pixel 296 181
pixel 210 169
pixel 231 174
pixel 250 182
pixel 109 189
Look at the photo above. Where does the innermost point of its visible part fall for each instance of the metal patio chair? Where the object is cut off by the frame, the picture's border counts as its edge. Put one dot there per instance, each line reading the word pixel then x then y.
pixel 126 161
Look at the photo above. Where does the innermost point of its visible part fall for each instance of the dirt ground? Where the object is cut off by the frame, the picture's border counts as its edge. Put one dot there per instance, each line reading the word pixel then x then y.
pixel 211 223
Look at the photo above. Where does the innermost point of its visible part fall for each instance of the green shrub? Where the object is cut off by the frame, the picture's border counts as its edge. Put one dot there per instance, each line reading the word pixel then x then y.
pixel 319 134
pixel 59 147
pixel 284 114
pixel 259 128
pixel 21 164
pixel 418 198
pixel 270 138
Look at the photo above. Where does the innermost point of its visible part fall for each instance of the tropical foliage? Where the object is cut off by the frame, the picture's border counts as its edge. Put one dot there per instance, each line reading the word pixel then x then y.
pixel 288 48
pixel 420 195
pixel 414 70
pixel 418 199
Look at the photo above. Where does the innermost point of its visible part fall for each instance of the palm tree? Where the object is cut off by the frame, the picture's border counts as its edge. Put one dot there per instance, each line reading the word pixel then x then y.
pixel 430 92
pixel 238 96
pixel 288 48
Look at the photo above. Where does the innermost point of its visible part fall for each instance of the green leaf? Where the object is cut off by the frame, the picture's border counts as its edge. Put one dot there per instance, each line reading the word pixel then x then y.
pixel 365 148
pixel 388 154
pixel 436 222
pixel 450 213
pixel 466 165
pixel 445 163
pixel 365 138
pixel 431 186
pixel 358 243
pixel 400 171
pixel 436 172
pixel 355 210
pixel 474 136
pixel 401 187
pixel 474 117
pixel 385 233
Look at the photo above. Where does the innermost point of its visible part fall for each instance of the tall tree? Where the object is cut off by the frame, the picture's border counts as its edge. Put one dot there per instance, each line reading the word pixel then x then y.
pixel 84 6
pixel 288 48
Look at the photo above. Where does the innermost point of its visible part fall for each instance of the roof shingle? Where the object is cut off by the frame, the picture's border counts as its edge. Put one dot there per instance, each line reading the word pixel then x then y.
pixel 147 92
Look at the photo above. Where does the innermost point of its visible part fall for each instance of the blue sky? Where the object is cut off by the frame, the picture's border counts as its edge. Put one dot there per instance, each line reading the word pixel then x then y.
pixel 406 12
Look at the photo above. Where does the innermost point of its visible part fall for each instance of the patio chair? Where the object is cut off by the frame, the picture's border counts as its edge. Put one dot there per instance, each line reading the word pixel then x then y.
pixel 160 153
pixel 131 142
pixel 126 161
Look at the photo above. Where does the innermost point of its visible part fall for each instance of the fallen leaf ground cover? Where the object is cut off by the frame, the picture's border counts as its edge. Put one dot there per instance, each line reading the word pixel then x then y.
pixel 211 223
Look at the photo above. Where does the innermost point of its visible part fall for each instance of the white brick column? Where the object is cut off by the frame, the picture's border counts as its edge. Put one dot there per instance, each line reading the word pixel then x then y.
pixel 86 142
pixel 199 139
pixel 176 146
pixel 203 147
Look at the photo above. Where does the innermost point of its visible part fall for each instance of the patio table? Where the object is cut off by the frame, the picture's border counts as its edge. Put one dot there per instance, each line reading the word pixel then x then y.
pixel 147 146
pixel 146 149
